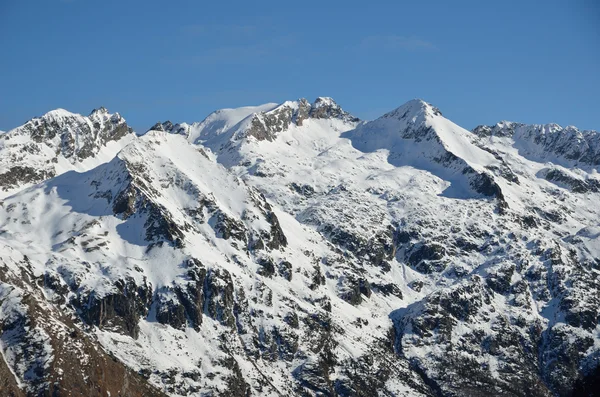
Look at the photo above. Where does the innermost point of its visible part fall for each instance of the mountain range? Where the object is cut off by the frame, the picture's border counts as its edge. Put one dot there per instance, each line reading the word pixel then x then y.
pixel 295 250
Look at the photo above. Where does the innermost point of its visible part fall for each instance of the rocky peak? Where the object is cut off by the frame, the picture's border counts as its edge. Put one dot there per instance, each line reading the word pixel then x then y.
pixel 166 126
pixel 267 124
pixel 29 153
pixel 169 127
pixel 548 142
pixel 413 110
pixel 416 120
pixel 501 129
pixel 326 108
pixel 60 125
pixel 417 135
pixel 99 111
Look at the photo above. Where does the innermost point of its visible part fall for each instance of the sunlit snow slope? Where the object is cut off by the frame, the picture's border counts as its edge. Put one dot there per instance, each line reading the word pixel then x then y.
pixel 293 249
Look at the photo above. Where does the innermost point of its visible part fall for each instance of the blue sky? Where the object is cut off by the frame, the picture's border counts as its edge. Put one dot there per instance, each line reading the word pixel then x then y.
pixel 478 61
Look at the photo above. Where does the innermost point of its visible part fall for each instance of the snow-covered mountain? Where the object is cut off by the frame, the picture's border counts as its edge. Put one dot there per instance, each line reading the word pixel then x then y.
pixel 292 249
pixel 57 142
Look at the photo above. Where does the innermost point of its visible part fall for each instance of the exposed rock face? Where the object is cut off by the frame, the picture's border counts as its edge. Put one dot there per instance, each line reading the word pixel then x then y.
pixel 300 252
pixel 414 135
pixel 120 310
pixel 30 152
pixel 266 125
pixel 17 175
pixel 457 365
pixel 549 141
pixel 326 108
pixel 169 127
pixel 79 136
pixel 569 180
pixel 40 345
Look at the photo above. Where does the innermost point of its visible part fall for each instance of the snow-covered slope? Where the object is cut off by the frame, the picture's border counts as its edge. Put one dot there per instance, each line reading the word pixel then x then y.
pixel 294 250
pixel 215 124
pixel 417 135
pixel 57 142
pixel 567 146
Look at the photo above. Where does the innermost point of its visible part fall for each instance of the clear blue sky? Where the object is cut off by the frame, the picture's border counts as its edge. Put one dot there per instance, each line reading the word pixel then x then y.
pixel 478 61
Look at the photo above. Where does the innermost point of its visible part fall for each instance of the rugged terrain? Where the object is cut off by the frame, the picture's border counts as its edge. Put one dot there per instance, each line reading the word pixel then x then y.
pixel 293 249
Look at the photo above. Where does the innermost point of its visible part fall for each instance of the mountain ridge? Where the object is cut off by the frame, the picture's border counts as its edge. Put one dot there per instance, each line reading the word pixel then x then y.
pixel 59 141
pixel 293 249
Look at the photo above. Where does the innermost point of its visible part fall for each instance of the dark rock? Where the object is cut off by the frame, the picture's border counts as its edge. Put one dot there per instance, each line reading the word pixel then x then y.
pixel 427 257
pixel 266 125
pixel 291 319
pixel 317 278
pixel 326 108
pixel 278 239
pixel 287 343
pixel 416 285
pixel 227 227
pixel 218 296
pixel 388 289
pixel 303 190
pixel 587 385
pixel 285 270
pixel 191 295
pixel 529 221
pixel 561 358
pixel 485 184
pixel 499 281
pixel 267 267
pixel 17 175
pixel 119 310
pixel 352 290
pixel 236 385
pixel 303 112
pixel 169 310
pixel 562 179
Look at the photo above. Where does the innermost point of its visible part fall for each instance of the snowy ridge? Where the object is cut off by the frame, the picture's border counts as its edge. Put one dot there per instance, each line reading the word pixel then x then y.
pixel 567 146
pixel 57 142
pixel 417 135
pixel 292 249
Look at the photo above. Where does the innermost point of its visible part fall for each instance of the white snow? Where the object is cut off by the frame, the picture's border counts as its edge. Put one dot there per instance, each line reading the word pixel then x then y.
pixel 324 177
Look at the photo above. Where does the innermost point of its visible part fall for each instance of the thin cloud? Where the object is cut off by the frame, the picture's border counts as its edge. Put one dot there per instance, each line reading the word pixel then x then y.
pixel 219 30
pixel 396 43
pixel 239 54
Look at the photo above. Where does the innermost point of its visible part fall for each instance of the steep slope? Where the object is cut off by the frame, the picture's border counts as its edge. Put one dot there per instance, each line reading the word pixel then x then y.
pixel 417 135
pixel 548 142
pixel 162 249
pixel 293 250
pixel 226 130
pixel 405 200
pixel 215 124
pixel 45 352
pixel 565 157
pixel 57 142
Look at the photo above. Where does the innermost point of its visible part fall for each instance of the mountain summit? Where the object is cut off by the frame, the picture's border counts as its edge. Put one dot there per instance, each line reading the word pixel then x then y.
pixel 293 249
pixel 58 141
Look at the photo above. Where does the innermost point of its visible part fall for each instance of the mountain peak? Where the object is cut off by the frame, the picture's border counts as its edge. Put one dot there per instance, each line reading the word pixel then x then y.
pixel 262 122
pixel 100 110
pixel 169 127
pixel 59 140
pixel 57 114
pixel 327 108
pixel 566 146
pixel 324 101
pixel 64 117
pixel 412 110
pixel 204 270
